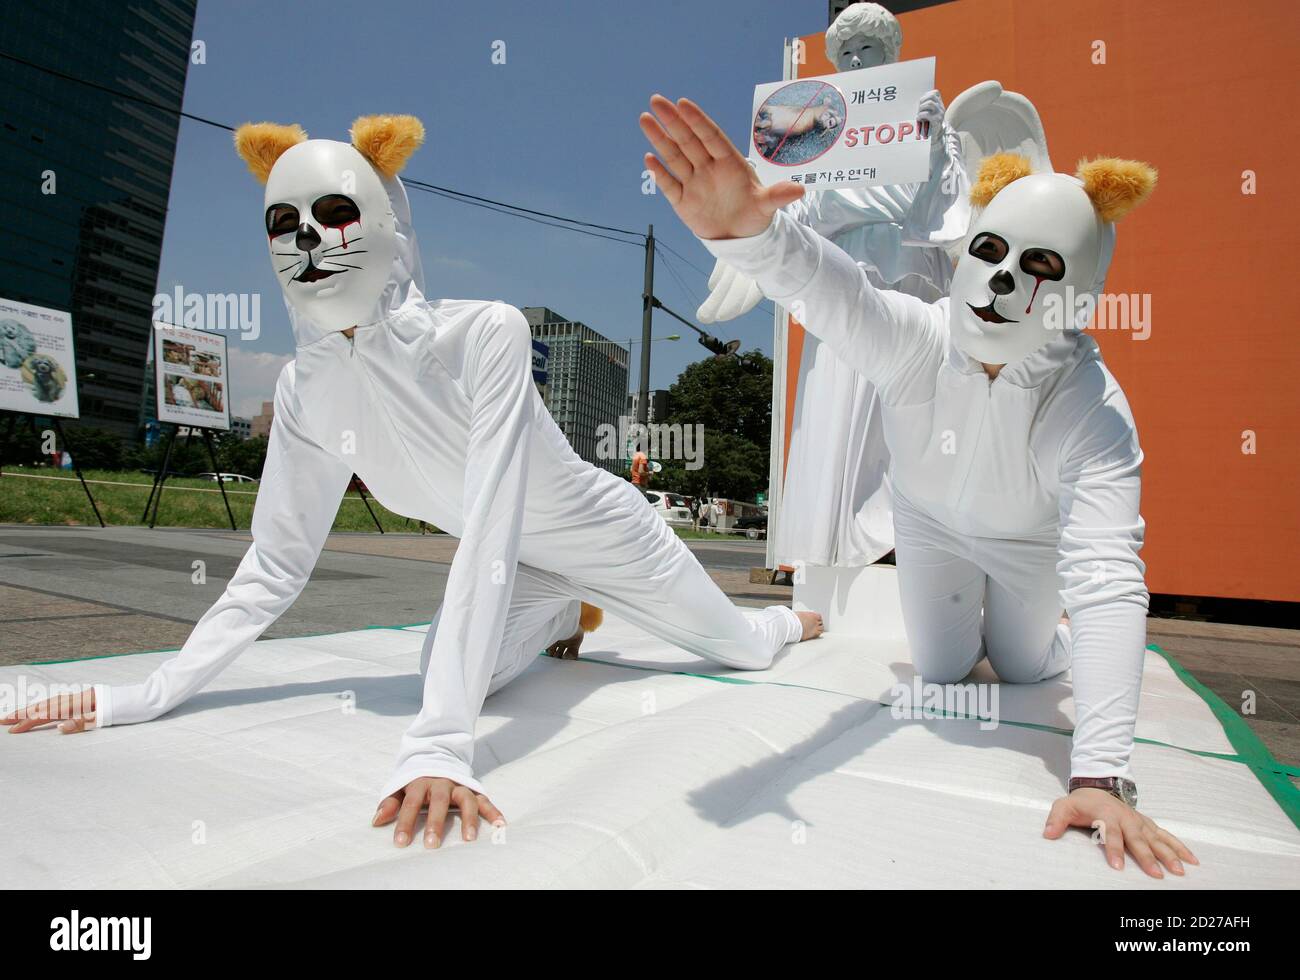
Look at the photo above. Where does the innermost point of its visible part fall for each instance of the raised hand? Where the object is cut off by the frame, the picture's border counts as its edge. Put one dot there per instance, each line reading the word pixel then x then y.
pixel 705 178
pixel 931 110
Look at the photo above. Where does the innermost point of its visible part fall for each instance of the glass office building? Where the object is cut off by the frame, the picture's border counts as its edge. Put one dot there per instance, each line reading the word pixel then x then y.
pixel 586 384
pixel 92 247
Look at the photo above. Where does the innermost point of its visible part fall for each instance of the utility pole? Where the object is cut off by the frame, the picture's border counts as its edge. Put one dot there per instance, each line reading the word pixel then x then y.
pixel 647 310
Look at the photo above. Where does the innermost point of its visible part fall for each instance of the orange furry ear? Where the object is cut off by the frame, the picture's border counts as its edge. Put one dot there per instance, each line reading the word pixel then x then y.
pixel 260 145
pixel 995 173
pixel 387 141
pixel 1116 187
pixel 590 618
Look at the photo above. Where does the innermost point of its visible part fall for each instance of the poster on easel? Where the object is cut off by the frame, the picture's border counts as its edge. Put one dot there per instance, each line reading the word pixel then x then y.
pixel 38 371
pixel 190 370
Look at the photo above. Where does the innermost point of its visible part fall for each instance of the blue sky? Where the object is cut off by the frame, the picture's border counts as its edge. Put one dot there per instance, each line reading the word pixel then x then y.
pixel 554 128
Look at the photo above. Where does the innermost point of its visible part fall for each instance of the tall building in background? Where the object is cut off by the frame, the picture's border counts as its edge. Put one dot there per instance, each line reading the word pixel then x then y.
pixel 586 381
pixel 93 246
pixel 657 406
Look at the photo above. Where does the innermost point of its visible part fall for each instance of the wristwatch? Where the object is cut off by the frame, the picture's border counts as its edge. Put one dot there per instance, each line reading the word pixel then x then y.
pixel 1124 790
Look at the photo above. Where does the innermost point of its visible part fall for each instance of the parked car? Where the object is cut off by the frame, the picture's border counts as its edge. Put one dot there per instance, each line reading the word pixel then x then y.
pixel 672 507
pixel 754 526
pixel 226 478
pixel 725 516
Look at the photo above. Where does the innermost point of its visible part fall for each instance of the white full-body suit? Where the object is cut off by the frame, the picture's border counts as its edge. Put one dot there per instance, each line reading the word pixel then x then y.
pixel 836 507
pixel 434 407
pixel 1014 498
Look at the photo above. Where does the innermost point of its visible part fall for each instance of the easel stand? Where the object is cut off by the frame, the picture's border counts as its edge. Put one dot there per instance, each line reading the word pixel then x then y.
pixel 67 446
pixel 366 500
pixel 160 478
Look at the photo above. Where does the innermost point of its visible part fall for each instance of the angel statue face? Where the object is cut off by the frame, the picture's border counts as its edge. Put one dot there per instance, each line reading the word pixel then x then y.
pixel 331 231
pixel 1031 252
pixel 864 35
pixel 860 51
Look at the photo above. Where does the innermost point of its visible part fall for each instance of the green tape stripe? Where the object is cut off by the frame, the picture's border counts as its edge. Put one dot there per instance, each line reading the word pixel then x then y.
pixel 1272 774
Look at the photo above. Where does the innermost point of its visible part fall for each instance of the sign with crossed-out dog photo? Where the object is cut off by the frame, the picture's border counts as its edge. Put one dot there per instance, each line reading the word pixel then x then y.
pixel 852 128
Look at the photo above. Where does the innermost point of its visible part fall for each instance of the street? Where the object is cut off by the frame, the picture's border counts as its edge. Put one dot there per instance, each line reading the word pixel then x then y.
pixel 73 592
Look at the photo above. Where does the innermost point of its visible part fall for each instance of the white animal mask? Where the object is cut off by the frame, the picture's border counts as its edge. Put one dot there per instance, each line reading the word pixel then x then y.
pixel 332 233
pixel 335 239
pixel 1040 245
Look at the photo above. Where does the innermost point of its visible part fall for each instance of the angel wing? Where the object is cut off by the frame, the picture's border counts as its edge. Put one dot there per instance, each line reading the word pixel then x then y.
pixel 730 295
pixel 989 119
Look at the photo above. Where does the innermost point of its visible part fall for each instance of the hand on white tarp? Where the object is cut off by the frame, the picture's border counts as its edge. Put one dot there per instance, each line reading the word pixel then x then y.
pixel 74 712
pixel 731 294
pixel 439 796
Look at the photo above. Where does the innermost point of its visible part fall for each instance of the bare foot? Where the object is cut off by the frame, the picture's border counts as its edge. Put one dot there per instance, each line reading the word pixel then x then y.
pixel 812 625
pixel 566 649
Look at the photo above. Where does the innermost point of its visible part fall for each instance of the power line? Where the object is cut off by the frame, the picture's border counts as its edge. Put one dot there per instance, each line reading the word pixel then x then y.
pixel 447 190
pixel 763 303
pixel 463 199
pixel 468 198
pixel 672 270
pixel 118 92
pixel 501 207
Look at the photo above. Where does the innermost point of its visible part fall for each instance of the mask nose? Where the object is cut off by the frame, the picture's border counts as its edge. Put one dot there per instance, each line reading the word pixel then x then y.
pixel 1002 283
pixel 307 238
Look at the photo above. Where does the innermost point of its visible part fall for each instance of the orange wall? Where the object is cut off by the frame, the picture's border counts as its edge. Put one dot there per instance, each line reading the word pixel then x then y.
pixel 1203 91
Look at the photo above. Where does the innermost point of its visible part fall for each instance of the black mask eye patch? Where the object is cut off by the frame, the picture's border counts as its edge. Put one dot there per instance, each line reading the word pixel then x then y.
pixel 281 219
pixel 1042 263
pixel 335 211
pixel 989 247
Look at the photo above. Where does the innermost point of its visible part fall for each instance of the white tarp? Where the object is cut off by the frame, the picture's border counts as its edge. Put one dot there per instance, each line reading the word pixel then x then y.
pixel 624 775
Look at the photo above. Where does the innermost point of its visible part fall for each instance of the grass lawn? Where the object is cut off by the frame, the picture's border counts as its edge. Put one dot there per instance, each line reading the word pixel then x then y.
pixel 41 495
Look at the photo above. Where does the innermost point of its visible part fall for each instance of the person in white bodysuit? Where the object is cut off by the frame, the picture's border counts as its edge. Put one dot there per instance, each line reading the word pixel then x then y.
pixel 835 499
pixel 432 404
pixel 1015 460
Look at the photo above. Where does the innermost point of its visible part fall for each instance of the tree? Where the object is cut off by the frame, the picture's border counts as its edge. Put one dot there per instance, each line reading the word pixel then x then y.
pixel 94 448
pixel 731 397
pixel 734 468
pixel 246 456
pixel 727 394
